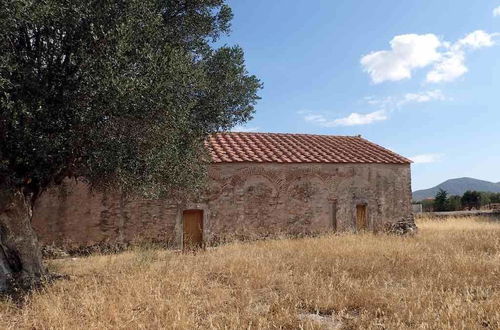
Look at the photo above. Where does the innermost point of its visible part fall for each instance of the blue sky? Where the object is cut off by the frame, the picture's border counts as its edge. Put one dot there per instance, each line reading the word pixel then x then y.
pixel 419 77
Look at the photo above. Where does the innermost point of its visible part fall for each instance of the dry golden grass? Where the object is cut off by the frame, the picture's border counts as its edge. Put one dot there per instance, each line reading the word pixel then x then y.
pixel 446 277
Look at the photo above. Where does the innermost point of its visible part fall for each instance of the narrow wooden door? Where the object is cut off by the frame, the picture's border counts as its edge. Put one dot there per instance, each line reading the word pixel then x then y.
pixel 361 221
pixel 334 215
pixel 192 229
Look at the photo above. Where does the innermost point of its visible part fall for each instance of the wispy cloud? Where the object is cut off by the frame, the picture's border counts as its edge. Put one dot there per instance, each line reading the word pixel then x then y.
pixel 353 119
pixel 242 128
pixel 393 102
pixel 426 158
pixel 496 11
pixel 384 107
pixel 410 52
pixel 426 96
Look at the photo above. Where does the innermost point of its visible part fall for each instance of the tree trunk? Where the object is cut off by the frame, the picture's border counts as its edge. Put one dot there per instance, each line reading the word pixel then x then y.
pixel 20 256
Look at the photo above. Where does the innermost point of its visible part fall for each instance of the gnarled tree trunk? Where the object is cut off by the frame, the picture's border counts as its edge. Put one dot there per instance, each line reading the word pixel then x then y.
pixel 20 256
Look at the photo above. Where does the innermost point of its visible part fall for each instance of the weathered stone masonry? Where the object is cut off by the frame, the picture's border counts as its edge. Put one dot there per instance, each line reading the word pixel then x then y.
pixel 243 199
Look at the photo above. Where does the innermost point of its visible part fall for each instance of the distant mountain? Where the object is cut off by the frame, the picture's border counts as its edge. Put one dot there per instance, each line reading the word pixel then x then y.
pixel 457 187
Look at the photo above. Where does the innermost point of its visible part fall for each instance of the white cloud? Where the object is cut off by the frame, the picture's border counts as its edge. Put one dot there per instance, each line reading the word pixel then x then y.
pixel 422 97
pixel 408 52
pixel 477 39
pixel 452 63
pixel 496 11
pixel 241 128
pixel 394 102
pixel 412 51
pixel 352 120
pixel 385 107
pixel 450 67
pixel 426 158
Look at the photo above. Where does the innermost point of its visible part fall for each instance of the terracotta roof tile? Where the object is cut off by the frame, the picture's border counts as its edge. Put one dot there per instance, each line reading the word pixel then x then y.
pixel 236 147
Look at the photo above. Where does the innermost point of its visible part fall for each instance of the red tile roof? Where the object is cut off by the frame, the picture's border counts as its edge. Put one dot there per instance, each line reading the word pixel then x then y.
pixel 235 147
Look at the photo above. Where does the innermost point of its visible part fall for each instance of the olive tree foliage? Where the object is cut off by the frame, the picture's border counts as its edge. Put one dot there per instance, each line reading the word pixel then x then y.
pixel 471 200
pixel 121 93
pixel 454 203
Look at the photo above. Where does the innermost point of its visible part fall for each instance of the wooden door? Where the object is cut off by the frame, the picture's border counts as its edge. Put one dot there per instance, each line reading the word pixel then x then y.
pixel 334 215
pixel 361 219
pixel 192 229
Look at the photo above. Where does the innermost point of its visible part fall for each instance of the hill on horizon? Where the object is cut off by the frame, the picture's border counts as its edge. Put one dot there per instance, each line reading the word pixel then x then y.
pixel 457 187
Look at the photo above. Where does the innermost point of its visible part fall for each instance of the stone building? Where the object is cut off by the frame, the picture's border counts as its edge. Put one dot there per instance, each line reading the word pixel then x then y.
pixel 260 184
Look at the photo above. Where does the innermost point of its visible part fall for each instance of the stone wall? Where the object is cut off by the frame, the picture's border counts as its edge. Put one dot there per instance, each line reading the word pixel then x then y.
pixel 242 200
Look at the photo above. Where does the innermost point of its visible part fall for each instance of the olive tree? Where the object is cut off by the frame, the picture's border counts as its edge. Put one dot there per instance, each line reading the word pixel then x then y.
pixel 471 200
pixel 119 93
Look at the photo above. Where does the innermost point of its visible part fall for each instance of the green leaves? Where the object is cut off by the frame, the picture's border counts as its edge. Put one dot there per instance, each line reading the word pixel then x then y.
pixel 121 93
pixel 440 200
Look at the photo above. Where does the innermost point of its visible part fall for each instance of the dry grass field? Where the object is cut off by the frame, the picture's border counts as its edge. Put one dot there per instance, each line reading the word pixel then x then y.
pixel 446 277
